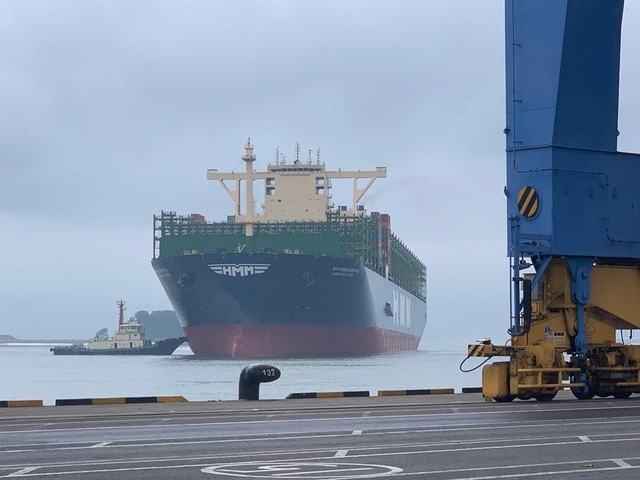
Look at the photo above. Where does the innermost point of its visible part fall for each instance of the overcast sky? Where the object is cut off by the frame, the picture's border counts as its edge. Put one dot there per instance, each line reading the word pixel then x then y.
pixel 112 111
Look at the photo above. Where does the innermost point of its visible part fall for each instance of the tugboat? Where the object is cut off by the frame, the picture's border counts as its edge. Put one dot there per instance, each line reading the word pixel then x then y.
pixel 129 339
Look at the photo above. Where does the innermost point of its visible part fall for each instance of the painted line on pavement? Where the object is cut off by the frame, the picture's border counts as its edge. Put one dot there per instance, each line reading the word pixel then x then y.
pixel 22 472
pixel 622 463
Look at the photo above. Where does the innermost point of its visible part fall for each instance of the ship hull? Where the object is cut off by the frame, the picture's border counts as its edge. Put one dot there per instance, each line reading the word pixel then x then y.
pixel 282 306
pixel 295 341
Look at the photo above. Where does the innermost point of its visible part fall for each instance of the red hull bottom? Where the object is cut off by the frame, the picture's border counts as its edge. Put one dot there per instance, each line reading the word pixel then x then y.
pixel 285 341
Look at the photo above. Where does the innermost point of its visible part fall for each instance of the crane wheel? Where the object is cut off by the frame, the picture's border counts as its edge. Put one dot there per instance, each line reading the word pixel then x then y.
pixel 507 399
pixel 545 396
pixel 580 394
pixel 621 394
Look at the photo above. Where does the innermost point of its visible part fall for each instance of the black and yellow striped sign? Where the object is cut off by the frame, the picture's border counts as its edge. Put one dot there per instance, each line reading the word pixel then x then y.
pixel 20 403
pixel 489 350
pixel 361 393
pixel 528 202
pixel 476 350
pixel 118 400
pixel 423 391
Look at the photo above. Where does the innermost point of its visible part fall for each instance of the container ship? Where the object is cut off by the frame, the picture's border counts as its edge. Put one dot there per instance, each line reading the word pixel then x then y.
pixel 300 277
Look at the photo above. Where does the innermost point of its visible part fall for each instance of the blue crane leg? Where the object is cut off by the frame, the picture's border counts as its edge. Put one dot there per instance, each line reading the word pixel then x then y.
pixel 580 268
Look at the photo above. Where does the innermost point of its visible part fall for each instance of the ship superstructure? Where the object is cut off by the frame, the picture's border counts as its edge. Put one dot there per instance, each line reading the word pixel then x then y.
pixel 130 334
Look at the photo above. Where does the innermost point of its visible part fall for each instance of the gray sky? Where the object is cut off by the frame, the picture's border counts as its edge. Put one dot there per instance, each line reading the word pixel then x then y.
pixel 112 111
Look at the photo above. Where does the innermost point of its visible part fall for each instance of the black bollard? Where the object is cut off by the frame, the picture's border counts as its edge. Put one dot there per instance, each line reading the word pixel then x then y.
pixel 252 376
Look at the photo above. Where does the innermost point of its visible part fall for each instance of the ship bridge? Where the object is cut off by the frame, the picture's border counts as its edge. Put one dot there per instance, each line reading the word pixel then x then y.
pixel 297 191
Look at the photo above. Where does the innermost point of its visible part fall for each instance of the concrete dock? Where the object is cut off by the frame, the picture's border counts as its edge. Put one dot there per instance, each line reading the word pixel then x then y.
pixel 411 437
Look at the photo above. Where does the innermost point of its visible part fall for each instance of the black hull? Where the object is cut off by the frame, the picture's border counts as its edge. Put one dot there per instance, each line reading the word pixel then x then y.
pixel 288 306
pixel 163 347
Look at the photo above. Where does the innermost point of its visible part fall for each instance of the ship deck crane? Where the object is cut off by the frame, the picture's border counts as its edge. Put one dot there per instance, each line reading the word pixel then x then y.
pixel 573 208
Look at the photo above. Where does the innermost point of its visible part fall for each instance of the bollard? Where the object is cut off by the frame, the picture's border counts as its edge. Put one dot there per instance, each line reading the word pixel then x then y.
pixel 252 376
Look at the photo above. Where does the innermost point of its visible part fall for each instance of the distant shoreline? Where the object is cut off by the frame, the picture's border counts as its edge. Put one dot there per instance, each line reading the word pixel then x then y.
pixel 4 339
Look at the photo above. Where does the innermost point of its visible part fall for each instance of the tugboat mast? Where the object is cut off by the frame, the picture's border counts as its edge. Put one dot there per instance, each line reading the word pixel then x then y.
pixel 121 310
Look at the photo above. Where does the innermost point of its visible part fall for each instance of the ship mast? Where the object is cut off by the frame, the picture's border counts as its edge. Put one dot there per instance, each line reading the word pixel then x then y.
pixel 249 157
pixel 121 310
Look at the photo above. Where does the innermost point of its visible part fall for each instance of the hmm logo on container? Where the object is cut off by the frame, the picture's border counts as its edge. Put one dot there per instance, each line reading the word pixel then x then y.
pixel 241 270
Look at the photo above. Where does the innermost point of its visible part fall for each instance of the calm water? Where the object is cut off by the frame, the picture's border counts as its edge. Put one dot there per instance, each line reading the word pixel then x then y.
pixel 33 372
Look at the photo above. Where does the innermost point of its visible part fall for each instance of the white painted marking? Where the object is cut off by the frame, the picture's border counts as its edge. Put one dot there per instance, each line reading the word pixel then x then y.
pixel 622 464
pixel 455 410
pixel 365 414
pixel 584 439
pixel 341 471
pixel 274 468
pixel 20 473
pixel 356 432
pixel 101 444
pixel 341 453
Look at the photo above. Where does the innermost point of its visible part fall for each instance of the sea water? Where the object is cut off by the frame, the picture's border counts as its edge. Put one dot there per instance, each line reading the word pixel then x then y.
pixel 32 372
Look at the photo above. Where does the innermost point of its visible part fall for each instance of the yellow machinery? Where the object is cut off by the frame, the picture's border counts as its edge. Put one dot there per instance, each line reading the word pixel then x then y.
pixel 542 360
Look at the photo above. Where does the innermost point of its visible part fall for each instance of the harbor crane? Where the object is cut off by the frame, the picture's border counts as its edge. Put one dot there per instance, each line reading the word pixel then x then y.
pixel 573 209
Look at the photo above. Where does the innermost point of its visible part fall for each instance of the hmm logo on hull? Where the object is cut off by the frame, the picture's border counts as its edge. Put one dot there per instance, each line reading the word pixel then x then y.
pixel 242 270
